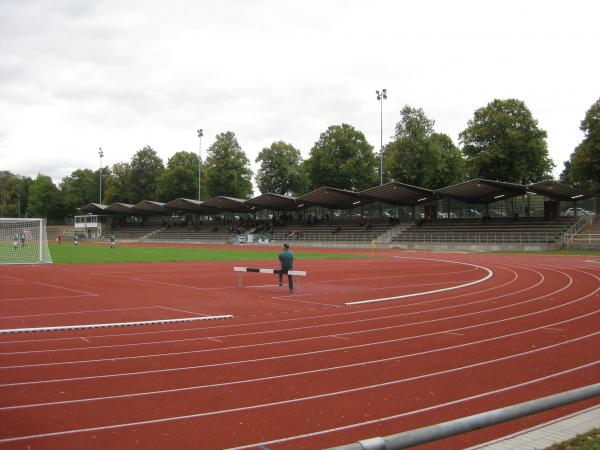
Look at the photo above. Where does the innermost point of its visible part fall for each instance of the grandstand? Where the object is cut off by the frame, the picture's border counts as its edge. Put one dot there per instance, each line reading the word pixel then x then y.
pixel 496 232
pixel 476 214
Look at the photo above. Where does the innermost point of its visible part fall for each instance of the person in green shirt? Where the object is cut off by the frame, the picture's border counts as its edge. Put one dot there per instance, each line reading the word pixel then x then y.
pixel 113 241
pixel 76 240
pixel 286 259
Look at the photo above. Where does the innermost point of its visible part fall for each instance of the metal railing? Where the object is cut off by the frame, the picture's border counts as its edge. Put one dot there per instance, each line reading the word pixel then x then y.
pixel 477 238
pixel 577 227
pixel 361 236
pixel 475 422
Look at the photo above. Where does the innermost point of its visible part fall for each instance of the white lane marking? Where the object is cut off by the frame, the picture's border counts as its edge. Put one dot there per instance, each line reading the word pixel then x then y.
pixel 289 298
pixel 345 313
pixel 182 310
pixel 421 410
pixel 177 369
pixel 489 275
pixel 68 313
pixel 48 297
pixel 294 374
pixel 262 285
pixel 65 288
pixel 326 325
pixel 320 396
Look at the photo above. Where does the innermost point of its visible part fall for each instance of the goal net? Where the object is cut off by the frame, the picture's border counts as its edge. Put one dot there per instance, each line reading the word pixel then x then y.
pixel 23 241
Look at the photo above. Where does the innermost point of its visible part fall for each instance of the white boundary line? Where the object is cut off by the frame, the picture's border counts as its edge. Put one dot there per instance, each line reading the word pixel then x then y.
pixel 306 372
pixel 512 293
pixel 326 395
pixel 110 325
pixel 489 275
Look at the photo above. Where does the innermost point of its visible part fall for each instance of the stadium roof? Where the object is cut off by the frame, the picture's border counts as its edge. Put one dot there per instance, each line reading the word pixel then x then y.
pixel 189 205
pixel 396 193
pixel 119 208
pixel 150 207
pixel 557 191
pixel 222 203
pixel 481 191
pixel 330 198
pixel 274 201
pixel 93 208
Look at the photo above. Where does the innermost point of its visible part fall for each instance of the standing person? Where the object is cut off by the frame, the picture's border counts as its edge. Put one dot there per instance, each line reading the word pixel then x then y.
pixel 113 241
pixel 15 240
pixel 76 240
pixel 286 258
pixel 22 239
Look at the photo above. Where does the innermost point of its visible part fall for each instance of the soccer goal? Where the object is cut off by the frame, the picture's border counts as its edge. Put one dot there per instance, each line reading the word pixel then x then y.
pixel 23 241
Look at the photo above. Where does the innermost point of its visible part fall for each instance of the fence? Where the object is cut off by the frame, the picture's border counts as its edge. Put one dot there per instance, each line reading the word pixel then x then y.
pixel 478 238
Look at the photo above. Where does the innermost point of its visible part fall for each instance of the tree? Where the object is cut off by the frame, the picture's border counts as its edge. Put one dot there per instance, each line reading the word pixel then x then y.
pixel 180 179
pixel 503 142
pixel 146 167
pixel 79 189
pixel 279 170
pixel 227 168
pixel 421 157
pixel 585 160
pixel 117 184
pixel 44 199
pixel 342 158
pixel 9 194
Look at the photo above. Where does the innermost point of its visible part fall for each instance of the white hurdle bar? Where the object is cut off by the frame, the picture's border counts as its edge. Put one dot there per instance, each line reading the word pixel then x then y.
pixel 242 270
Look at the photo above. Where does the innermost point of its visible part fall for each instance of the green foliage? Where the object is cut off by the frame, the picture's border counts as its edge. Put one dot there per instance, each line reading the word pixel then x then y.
pixel 78 189
pixel 585 160
pixel 146 167
pixel 421 157
pixel 342 158
pixel 180 179
pixel 227 169
pixel 14 191
pixel 279 170
pixel 44 199
pixel 117 184
pixel 503 142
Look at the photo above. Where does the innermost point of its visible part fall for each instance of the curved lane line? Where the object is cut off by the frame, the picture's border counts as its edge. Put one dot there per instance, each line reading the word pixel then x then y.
pixel 489 275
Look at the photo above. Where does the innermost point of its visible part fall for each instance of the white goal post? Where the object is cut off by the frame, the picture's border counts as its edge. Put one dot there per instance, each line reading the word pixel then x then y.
pixel 23 241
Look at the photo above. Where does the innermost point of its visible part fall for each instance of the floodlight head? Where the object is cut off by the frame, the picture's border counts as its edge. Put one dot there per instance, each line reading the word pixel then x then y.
pixel 100 153
pixel 377 92
pixel 200 132
pixel 384 91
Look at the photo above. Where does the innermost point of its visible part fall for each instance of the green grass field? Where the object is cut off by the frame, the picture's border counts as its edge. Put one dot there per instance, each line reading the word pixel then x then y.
pixel 70 254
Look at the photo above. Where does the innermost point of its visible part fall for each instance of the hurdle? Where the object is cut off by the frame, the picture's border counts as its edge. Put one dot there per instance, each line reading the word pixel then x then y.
pixel 242 270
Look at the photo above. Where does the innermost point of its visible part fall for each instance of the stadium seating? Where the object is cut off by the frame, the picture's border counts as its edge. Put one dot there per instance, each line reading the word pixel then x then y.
pixel 496 230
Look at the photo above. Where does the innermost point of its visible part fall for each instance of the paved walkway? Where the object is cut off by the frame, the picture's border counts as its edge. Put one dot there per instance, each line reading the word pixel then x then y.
pixel 549 433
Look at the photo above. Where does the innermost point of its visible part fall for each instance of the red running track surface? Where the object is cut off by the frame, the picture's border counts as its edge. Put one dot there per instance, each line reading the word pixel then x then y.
pixel 467 333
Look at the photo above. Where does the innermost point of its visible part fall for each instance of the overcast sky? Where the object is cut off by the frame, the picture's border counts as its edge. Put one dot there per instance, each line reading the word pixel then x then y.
pixel 76 75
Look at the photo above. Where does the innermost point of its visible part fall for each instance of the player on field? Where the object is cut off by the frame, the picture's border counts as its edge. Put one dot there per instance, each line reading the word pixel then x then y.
pixel 286 258
pixel 76 240
pixel 22 239
pixel 15 240
pixel 113 241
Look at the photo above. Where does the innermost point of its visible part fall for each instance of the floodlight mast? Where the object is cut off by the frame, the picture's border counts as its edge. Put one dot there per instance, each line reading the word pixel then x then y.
pixel 200 134
pixel 381 96
pixel 101 155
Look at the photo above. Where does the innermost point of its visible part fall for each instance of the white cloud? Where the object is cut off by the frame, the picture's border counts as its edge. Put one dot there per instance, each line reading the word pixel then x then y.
pixel 76 75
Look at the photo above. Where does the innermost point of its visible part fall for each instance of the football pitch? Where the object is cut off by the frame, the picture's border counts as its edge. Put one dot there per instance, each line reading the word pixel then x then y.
pixel 94 253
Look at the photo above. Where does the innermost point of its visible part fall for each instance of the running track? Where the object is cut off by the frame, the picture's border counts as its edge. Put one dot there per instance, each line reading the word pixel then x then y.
pixel 467 333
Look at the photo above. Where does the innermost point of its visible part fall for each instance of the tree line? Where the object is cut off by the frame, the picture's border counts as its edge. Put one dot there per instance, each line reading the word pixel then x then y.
pixel 502 141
